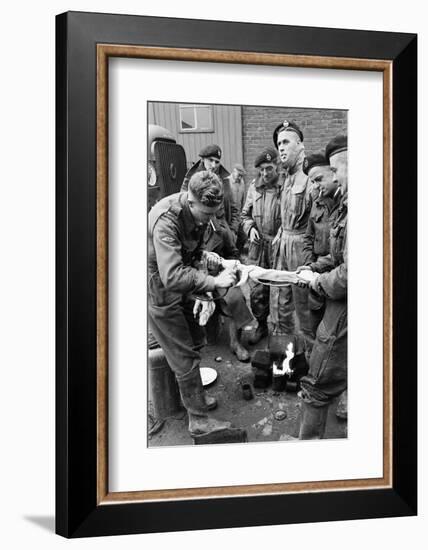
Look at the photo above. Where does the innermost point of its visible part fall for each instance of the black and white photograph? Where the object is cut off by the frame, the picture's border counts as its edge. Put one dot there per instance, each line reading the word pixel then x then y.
pixel 247 273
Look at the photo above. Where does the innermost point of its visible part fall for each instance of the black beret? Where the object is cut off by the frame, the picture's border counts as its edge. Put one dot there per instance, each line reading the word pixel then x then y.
pixel 317 159
pixel 267 155
pixel 210 151
pixel 336 145
pixel 290 126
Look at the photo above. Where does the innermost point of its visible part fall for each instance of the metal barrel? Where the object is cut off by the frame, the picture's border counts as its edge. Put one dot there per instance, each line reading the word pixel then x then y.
pixel 163 389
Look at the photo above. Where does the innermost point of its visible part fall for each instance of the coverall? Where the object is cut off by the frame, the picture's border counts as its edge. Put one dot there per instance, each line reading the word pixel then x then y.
pixel 287 250
pixel 263 212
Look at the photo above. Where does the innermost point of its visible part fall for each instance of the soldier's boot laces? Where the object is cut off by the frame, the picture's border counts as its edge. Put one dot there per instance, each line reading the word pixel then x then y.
pixel 260 332
pixel 235 345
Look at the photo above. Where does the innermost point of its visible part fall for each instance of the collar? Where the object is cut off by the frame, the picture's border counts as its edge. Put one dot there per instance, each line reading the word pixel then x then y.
pixel 190 224
pixel 260 186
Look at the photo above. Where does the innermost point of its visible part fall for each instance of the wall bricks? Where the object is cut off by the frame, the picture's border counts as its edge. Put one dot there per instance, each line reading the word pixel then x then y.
pixel 258 123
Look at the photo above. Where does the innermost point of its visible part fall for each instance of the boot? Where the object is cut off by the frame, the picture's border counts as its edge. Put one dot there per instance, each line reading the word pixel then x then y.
pixel 235 345
pixel 260 332
pixel 342 406
pixel 312 421
pixel 194 399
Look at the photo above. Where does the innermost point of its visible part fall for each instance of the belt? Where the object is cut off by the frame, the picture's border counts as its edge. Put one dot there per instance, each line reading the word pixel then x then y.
pixel 293 231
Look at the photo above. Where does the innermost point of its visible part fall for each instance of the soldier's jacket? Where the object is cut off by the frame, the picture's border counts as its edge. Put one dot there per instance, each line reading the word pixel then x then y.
pixel 262 211
pixel 296 201
pixel 238 192
pixel 174 245
pixel 230 211
pixel 333 281
pixel 316 241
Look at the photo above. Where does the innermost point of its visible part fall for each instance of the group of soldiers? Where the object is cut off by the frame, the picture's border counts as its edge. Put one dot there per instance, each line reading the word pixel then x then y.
pixel 294 217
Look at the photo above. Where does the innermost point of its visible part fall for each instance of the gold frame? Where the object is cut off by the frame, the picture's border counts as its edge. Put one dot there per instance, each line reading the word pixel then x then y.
pixel 104 52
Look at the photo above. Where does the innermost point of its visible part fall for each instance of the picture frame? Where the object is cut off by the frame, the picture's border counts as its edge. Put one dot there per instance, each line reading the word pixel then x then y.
pixel 84 44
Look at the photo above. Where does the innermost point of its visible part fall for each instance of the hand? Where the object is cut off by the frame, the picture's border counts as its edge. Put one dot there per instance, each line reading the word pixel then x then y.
pixel 254 235
pixel 307 277
pixel 225 279
pixel 203 309
pixel 213 261
pixel 303 268
pixel 302 282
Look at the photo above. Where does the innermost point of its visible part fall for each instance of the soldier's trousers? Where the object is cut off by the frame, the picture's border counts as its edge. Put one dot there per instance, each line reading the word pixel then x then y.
pixel 172 323
pixel 260 254
pixel 291 300
pixel 327 377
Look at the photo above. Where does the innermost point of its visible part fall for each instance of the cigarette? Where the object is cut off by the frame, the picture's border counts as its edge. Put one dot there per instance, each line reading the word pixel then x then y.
pixel 338 190
pixel 213 226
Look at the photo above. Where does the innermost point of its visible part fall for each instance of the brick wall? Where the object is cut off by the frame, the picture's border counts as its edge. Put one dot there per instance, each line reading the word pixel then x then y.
pixel 258 123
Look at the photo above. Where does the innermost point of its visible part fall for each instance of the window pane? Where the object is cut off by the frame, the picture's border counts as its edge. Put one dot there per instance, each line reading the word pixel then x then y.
pixel 203 115
pixel 187 118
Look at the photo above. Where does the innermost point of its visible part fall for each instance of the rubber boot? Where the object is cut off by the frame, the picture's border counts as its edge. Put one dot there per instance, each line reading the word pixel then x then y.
pixel 312 421
pixel 342 406
pixel 260 332
pixel 235 345
pixel 194 399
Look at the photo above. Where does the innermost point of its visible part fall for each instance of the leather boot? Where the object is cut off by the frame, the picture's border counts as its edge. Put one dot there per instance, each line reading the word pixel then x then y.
pixel 235 345
pixel 194 399
pixel 260 332
pixel 312 421
pixel 342 406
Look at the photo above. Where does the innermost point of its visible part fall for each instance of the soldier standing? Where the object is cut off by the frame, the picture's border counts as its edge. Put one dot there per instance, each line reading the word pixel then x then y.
pixel 316 241
pixel 296 203
pixel 261 219
pixel 177 225
pixel 327 377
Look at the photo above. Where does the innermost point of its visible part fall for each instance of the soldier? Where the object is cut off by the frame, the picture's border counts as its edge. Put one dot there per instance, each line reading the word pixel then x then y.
pixel 239 193
pixel 261 219
pixel 296 203
pixel 227 218
pixel 316 241
pixel 327 377
pixel 237 185
pixel 177 225
pixel 221 237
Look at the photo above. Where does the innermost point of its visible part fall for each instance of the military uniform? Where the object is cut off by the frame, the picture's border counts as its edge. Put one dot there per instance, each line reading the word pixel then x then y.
pixel 316 244
pixel 262 212
pixel 327 375
pixel 174 245
pixel 288 254
pixel 221 237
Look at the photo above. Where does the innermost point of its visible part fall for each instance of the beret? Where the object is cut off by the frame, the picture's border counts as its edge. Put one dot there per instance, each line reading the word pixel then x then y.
pixel 267 155
pixel 210 151
pixel 290 126
pixel 317 159
pixel 336 145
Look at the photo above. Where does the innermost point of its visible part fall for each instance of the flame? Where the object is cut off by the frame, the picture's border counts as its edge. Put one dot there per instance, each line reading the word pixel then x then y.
pixel 289 354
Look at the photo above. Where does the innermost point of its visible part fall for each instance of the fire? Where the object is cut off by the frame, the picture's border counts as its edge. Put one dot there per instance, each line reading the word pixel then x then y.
pixel 289 354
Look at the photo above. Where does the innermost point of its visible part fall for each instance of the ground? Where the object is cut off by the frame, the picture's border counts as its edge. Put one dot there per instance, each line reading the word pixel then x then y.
pixel 256 416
